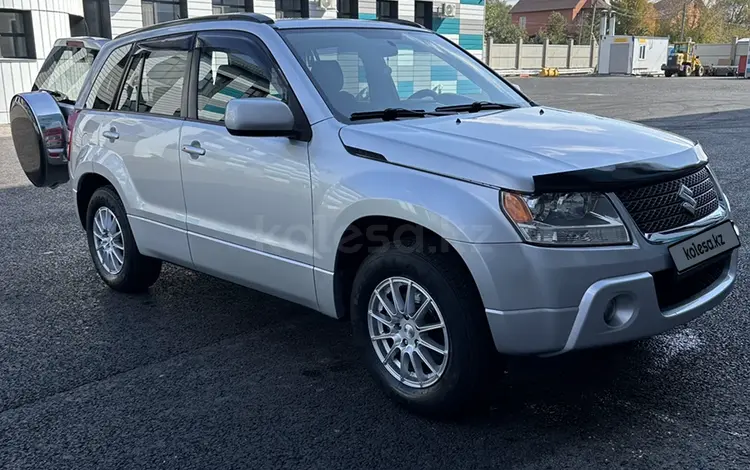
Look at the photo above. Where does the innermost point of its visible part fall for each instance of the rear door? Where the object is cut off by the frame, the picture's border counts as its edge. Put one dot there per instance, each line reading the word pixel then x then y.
pixel 139 137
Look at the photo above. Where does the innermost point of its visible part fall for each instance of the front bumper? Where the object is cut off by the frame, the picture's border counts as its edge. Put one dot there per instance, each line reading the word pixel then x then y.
pixel 552 300
pixel 584 326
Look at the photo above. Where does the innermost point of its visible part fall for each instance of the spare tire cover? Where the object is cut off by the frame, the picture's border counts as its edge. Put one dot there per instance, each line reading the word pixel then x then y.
pixel 40 137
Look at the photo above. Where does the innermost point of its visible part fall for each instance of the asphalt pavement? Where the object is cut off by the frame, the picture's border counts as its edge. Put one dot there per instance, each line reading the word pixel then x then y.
pixel 201 374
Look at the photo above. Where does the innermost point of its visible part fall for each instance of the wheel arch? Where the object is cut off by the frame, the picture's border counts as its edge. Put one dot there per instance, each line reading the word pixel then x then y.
pixel 370 232
pixel 88 183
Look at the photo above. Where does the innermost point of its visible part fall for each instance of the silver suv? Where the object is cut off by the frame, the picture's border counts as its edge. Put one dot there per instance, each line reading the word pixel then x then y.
pixel 376 171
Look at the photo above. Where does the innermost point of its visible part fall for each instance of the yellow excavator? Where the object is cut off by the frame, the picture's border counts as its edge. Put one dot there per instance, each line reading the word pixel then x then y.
pixel 683 61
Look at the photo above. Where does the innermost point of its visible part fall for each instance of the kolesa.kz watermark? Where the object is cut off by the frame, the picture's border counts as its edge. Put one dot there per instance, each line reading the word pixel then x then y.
pixel 696 250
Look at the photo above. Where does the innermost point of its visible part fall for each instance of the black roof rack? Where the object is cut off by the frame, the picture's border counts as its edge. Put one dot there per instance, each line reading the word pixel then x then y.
pixel 401 22
pixel 252 17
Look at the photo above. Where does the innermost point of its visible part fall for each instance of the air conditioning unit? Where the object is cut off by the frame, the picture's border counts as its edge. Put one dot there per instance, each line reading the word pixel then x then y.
pixel 327 4
pixel 448 10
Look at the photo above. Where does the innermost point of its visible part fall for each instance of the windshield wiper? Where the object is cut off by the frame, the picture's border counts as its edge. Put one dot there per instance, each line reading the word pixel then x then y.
pixel 388 114
pixel 59 95
pixel 476 106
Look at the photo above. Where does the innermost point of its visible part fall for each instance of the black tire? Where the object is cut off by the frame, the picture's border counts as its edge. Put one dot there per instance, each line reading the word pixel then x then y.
pixel 700 71
pixel 467 377
pixel 667 74
pixel 138 272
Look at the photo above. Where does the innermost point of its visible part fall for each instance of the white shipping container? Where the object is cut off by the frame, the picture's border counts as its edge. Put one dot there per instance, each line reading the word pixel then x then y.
pixel 632 55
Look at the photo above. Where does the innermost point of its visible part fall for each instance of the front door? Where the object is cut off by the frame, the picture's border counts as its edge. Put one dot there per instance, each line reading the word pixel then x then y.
pixel 143 131
pixel 248 199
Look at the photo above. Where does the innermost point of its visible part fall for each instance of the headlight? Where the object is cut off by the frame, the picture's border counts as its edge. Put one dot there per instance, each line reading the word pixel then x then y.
pixel 565 218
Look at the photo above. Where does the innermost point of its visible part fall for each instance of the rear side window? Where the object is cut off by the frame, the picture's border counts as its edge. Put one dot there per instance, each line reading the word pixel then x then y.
pixel 156 79
pixel 65 71
pixel 104 89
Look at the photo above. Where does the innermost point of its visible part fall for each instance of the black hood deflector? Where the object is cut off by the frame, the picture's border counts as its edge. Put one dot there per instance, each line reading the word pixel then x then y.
pixel 622 176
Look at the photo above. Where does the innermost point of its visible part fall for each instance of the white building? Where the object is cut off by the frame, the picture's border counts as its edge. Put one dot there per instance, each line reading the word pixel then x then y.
pixel 28 28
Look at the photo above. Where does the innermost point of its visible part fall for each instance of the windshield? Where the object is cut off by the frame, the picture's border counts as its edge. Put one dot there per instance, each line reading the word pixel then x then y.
pixel 680 48
pixel 64 71
pixel 361 70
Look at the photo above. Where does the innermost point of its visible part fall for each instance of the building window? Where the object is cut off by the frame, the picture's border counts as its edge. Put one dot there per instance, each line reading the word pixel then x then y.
pixel 387 9
pixel 232 6
pixel 642 52
pixel 348 9
pixel 423 14
pixel 16 35
pixel 160 11
pixel 522 22
pixel 292 9
pixel 98 21
pixel 78 26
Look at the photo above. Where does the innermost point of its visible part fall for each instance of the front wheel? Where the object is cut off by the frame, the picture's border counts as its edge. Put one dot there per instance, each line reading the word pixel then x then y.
pixel 422 329
pixel 112 245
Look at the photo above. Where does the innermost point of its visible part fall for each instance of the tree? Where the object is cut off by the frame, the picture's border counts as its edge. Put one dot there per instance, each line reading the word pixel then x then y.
pixel 635 17
pixel 498 24
pixel 584 30
pixel 556 30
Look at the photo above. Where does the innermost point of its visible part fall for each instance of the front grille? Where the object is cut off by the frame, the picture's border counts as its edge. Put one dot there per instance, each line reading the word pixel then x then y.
pixel 673 289
pixel 657 207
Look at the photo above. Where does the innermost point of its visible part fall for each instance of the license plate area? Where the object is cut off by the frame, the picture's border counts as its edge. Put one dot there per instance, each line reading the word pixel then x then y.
pixel 704 246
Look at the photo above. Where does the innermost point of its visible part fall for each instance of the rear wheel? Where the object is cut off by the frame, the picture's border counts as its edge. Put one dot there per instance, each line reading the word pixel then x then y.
pixel 112 246
pixel 422 329
pixel 667 74
pixel 700 71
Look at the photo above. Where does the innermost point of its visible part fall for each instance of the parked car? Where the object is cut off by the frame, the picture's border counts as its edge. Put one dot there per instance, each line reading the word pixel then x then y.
pixel 376 171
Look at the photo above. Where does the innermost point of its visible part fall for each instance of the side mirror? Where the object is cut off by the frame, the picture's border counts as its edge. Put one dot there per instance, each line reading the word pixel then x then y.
pixel 259 117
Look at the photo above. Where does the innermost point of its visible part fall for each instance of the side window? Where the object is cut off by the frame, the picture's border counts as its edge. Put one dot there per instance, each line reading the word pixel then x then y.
pixel 103 90
pixel 234 65
pixel 156 78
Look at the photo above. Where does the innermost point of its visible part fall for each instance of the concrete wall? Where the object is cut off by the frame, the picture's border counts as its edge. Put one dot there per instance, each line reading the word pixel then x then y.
pixel 503 56
pixel 535 56
pixel 557 56
pixel 580 56
pixel 532 56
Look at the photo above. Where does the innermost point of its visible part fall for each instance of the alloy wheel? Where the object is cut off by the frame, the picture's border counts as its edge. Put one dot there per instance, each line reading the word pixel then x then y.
pixel 108 242
pixel 408 332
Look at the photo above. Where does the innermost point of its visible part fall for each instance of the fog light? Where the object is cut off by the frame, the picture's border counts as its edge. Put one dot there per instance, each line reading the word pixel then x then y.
pixel 610 312
pixel 619 310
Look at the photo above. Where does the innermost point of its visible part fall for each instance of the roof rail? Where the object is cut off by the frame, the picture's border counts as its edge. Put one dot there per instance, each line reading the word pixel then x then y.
pixel 252 17
pixel 401 22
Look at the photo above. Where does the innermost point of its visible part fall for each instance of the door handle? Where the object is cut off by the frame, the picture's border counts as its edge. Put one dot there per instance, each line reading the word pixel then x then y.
pixel 111 134
pixel 194 149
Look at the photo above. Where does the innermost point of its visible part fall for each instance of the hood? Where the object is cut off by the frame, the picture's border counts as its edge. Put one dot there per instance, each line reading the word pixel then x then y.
pixel 511 149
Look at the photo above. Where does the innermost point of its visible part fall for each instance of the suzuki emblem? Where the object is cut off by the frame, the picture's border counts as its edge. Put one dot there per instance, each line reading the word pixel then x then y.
pixel 686 195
